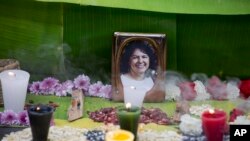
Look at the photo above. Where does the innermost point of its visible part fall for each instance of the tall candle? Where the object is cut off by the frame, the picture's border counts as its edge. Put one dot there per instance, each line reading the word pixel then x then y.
pixel 40 117
pixel 213 123
pixel 14 87
pixel 134 96
pixel 128 118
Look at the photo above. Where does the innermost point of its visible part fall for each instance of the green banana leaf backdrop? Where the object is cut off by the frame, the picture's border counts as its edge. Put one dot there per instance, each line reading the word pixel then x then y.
pixel 64 38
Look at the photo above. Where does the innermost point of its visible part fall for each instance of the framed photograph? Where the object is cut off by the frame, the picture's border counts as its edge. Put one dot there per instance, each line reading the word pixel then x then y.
pixel 138 66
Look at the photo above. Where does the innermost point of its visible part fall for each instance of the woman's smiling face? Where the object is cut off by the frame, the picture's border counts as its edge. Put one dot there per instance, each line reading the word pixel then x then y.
pixel 139 62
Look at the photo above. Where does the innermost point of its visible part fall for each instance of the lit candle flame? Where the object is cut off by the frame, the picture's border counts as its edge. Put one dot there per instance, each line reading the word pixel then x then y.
pixel 128 105
pixel 211 111
pixel 12 74
pixel 38 108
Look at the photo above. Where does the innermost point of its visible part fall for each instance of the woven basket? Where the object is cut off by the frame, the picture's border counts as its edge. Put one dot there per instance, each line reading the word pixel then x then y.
pixel 7 64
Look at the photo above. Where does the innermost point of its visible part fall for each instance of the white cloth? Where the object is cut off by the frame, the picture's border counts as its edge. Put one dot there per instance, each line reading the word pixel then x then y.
pixel 135 90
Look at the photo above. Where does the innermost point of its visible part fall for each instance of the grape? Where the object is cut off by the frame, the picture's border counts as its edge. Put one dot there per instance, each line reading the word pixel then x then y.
pixel 95 135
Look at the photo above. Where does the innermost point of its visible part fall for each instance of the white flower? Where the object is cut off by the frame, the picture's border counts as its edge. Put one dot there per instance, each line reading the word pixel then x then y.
pixel 172 92
pixel 241 120
pixel 201 91
pixel 199 109
pixel 190 126
pixel 55 134
pixel 232 91
pixel 150 135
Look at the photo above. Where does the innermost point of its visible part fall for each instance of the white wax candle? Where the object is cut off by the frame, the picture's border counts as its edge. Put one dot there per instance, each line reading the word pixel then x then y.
pixel 14 87
pixel 134 96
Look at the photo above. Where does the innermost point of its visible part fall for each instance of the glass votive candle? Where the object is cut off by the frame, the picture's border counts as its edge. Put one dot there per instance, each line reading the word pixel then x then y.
pixel 213 124
pixel 40 117
pixel 128 118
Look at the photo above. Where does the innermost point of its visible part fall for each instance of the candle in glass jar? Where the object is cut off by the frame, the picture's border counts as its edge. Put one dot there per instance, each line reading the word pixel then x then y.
pixel 213 123
pixel 128 118
pixel 40 117
pixel 14 86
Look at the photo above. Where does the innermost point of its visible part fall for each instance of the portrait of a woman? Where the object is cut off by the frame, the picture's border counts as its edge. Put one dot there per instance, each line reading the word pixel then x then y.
pixel 138 67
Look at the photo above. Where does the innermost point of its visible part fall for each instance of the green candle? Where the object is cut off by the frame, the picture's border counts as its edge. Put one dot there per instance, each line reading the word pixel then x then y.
pixel 128 118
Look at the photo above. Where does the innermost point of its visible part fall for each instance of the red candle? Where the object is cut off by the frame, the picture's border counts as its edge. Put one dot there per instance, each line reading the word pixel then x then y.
pixel 213 123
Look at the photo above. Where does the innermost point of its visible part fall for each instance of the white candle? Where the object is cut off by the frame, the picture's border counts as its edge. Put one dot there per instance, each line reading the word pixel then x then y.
pixel 14 86
pixel 134 96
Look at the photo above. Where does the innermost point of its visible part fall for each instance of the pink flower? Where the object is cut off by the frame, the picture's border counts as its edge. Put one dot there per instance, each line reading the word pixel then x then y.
pixel 48 85
pixel 60 91
pixel 9 117
pixel 51 85
pixel 35 87
pixel 23 118
pixel 105 91
pixel 68 85
pixel 187 90
pixel 64 88
pixel 216 88
pixel 82 82
pixel 95 88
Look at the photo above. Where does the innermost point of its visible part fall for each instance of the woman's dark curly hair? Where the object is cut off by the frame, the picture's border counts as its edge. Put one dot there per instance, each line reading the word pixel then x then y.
pixel 143 46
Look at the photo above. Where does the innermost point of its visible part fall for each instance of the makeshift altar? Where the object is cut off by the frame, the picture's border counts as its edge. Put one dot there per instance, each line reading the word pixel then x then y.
pixel 169 119
pixel 56 40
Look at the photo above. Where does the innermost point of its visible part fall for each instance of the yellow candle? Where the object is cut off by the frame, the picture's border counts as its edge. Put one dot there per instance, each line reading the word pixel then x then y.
pixel 119 135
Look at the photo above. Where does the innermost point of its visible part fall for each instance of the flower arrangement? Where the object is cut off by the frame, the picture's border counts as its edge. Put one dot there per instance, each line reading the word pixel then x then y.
pixel 199 88
pixel 190 125
pixel 187 90
pixel 9 118
pixel 82 134
pixel 241 120
pixel 197 110
pixel 52 86
pixel 204 89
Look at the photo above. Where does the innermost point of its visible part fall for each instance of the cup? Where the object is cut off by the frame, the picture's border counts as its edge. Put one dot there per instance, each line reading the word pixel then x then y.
pixel 40 117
